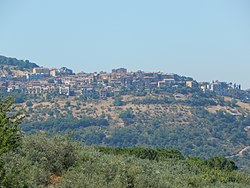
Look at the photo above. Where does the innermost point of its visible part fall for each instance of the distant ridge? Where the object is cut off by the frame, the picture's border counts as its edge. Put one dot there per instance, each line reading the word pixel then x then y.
pixel 18 64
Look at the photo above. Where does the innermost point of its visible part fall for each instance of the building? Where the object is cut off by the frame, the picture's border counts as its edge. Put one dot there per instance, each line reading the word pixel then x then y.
pixel 40 70
pixel 54 72
pixel 166 83
pixel 216 87
pixel 65 90
pixel 192 84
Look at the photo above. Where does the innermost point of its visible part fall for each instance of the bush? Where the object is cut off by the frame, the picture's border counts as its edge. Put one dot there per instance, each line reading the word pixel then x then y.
pixel 118 101
pixel 221 163
pixel 29 104
pixel 127 116
pixel 144 153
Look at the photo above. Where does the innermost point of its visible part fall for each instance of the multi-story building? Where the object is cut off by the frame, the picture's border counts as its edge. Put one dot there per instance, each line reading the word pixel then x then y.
pixel 166 83
pixel 41 70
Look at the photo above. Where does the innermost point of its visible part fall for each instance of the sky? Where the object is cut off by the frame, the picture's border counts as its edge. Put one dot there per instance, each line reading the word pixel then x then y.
pixel 206 40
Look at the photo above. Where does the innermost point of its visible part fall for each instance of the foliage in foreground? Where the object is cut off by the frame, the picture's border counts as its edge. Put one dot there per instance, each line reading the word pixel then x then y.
pixel 38 161
pixel 42 162
pixel 9 130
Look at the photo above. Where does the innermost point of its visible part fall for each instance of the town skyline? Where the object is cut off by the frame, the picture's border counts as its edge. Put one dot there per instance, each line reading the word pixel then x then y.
pixel 25 77
pixel 163 70
pixel 205 40
pixel 131 71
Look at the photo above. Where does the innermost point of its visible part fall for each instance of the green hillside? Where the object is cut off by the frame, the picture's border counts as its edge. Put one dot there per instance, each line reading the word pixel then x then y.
pixel 15 64
pixel 202 126
pixel 43 160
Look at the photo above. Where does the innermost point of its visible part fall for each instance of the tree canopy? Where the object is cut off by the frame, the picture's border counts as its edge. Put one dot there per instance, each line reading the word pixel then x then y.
pixel 9 130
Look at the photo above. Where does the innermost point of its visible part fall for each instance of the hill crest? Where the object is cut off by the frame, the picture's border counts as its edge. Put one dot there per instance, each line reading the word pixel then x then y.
pixel 14 67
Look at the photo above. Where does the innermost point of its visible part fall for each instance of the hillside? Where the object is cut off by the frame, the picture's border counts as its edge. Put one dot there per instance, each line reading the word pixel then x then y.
pixel 14 67
pixel 121 109
pixel 39 160
pixel 197 125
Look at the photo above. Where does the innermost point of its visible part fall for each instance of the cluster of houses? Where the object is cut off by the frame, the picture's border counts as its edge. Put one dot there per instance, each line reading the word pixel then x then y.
pixel 64 82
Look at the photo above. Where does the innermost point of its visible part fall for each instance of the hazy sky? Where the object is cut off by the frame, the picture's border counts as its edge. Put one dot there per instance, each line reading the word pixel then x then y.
pixel 205 39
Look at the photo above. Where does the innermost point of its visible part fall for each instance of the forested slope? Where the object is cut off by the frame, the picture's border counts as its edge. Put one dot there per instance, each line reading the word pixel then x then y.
pixel 48 159
pixel 192 127
pixel 8 64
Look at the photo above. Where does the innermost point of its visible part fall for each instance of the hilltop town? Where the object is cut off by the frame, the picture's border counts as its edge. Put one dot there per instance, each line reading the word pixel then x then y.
pixel 128 109
pixel 63 81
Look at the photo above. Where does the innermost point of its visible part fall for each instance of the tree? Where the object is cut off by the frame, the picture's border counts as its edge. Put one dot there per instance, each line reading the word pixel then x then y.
pixel 221 163
pixel 127 116
pixel 118 101
pixel 29 104
pixel 10 134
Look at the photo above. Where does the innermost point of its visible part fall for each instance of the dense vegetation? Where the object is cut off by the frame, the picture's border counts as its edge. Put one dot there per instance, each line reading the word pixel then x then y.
pixel 9 131
pixel 19 64
pixel 204 134
pixel 16 95
pixel 39 161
